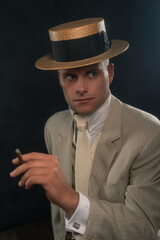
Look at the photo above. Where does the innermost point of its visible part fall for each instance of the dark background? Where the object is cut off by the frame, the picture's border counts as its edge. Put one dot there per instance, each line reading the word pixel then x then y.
pixel 29 96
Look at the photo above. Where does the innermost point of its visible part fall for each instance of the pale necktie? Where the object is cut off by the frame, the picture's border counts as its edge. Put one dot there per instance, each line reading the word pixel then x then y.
pixel 83 156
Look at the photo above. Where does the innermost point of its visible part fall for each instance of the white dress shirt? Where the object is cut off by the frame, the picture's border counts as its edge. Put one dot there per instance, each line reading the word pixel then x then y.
pixel 77 223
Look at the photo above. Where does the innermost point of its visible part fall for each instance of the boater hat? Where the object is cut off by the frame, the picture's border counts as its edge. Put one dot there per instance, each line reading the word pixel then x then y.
pixel 80 43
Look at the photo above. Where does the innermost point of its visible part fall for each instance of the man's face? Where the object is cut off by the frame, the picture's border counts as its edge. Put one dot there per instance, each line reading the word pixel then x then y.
pixel 86 88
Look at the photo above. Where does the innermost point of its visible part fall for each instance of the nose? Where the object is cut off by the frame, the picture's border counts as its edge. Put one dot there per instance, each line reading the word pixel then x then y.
pixel 81 86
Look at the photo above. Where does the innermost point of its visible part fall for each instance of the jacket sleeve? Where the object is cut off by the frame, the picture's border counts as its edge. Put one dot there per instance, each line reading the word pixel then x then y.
pixel 139 217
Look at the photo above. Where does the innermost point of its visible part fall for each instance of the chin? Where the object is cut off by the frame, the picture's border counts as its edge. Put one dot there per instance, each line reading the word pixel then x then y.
pixel 84 111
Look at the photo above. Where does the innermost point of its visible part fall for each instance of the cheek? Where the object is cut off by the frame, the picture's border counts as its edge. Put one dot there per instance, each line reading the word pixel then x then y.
pixel 103 87
pixel 103 91
pixel 67 94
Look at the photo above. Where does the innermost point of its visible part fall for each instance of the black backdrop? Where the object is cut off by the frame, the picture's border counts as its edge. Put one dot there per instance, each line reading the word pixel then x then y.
pixel 29 96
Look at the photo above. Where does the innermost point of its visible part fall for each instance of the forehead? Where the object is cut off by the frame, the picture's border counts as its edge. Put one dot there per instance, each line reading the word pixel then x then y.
pixel 95 66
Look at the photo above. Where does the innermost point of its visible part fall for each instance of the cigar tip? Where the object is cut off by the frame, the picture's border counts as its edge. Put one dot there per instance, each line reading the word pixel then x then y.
pixel 17 151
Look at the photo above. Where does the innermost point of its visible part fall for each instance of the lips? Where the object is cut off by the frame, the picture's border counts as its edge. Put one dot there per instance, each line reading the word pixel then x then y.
pixel 82 99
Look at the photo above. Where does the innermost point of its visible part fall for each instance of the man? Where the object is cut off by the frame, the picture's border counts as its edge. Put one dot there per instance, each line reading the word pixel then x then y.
pixel 111 188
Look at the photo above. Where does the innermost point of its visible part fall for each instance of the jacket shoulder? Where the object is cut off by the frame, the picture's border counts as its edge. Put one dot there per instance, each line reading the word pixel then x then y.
pixel 134 120
pixel 139 115
pixel 57 119
pixel 140 123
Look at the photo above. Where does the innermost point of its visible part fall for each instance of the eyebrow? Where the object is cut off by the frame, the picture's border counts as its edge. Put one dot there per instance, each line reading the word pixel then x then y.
pixel 92 70
pixel 67 73
pixel 74 71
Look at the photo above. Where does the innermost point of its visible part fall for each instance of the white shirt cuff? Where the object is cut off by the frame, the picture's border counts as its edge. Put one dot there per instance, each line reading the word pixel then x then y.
pixel 77 223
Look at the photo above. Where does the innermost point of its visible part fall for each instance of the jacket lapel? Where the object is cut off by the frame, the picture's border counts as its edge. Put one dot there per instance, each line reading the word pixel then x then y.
pixel 106 148
pixel 64 147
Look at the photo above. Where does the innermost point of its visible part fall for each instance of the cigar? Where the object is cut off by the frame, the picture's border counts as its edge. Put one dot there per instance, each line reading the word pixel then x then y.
pixel 19 155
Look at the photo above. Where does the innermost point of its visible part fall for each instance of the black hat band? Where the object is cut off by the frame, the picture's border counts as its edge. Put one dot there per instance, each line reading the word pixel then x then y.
pixel 81 48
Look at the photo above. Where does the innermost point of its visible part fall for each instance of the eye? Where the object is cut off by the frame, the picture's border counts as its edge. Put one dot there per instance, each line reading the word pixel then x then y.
pixel 70 77
pixel 92 74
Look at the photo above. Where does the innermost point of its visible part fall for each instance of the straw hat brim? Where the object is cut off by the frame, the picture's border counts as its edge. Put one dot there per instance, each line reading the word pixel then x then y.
pixel 47 62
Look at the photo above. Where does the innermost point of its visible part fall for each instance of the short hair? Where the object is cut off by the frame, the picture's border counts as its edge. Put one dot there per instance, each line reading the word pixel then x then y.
pixel 106 63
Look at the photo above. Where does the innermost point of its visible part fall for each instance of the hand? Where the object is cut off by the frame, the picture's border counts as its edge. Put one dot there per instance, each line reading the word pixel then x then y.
pixel 44 169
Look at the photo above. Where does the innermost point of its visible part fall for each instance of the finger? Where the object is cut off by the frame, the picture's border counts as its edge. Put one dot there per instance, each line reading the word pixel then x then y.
pixel 27 165
pixel 35 156
pixel 38 163
pixel 15 161
pixel 43 172
pixel 35 180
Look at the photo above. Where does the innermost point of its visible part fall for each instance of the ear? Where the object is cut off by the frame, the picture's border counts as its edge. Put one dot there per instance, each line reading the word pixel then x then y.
pixel 111 72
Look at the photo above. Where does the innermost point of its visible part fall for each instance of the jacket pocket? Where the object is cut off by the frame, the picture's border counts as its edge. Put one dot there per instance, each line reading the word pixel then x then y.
pixel 114 192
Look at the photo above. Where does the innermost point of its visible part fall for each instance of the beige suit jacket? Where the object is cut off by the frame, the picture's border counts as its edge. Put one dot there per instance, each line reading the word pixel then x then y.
pixel 124 186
